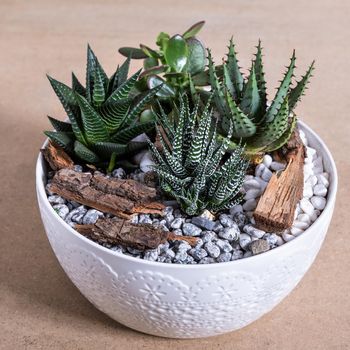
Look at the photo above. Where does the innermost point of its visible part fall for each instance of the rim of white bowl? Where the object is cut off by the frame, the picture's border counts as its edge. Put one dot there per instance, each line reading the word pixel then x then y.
pixel 330 201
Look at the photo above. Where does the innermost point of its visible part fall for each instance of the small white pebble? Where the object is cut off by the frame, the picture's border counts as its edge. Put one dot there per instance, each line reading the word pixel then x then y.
pixel 304 218
pixel 318 165
pixel 312 180
pixel 315 215
pixel 320 190
pixel 259 169
pixel 287 237
pixel 276 166
pixel 266 175
pixel 300 224
pixel 279 240
pixel 308 170
pixel 248 177
pixel 236 209
pixel 244 240
pixel 308 191
pixel 252 183
pixel 262 183
pixel 311 153
pixel 303 137
pixel 267 160
pixel 250 205
pixel 321 179
pixel 295 231
pixel 306 206
pixel 252 194
pixel 318 202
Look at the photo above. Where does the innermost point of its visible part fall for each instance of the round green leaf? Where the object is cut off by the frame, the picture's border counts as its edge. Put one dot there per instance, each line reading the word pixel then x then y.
pixel 150 62
pixel 132 52
pixel 147 115
pixel 197 56
pixel 165 91
pixel 162 40
pixel 193 30
pixel 176 53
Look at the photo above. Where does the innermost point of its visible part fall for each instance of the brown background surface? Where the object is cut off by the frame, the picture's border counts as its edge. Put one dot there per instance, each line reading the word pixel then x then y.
pixel 39 306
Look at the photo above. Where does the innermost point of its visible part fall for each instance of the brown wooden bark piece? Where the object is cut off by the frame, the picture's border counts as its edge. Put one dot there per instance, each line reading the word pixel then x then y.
pixel 276 207
pixel 119 231
pixel 56 157
pixel 116 196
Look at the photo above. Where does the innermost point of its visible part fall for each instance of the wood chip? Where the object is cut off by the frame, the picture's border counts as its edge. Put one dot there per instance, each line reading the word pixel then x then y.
pixel 119 231
pixel 276 207
pixel 116 196
pixel 56 157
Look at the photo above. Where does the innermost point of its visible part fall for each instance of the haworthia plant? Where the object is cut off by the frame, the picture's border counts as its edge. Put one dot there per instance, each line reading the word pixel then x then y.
pixel 193 170
pixel 242 102
pixel 104 115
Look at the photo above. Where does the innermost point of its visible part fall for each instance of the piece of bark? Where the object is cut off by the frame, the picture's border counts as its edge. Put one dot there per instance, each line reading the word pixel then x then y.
pixel 119 231
pixel 116 196
pixel 56 157
pixel 276 207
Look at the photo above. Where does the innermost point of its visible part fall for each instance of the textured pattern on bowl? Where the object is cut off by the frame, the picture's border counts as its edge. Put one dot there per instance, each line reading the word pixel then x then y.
pixel 185 301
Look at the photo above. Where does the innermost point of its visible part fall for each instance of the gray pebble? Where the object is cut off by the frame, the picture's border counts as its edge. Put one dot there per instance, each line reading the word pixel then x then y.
pixel 272 239
pixel 230 233
pixel 226 220
pixel 62 210
pixel 168 210
pixel 212 249
pixel 177 213
pixel 118 249
pixel 119 173
pixel 244 240
pixel 47 189
pixel 207 260
pixel 180 256
pixel 134 251
pixel 77 215
pixel 55 199
pixel 177 223
pixel 217 227
pixel 224 257
pixel 134 219
pixel 162 248
pixel 225 246
pixel 208 236
pixel 169 253
pixel 203 223
pixel 198 253
pixel 254 232
pixel 240 219
pixel 191 230
pixel 236 209
pixel 78 168
pixel 259 246
pixel 151 255
pixel 237 254
pixel 183 246
pixel 199 243
pixel 169 219
pixel 91 216
pixel 177 232
pixel 145 219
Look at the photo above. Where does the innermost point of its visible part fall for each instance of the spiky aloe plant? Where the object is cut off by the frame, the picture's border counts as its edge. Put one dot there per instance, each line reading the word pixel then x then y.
pixel 103 115
pixel 263 127
pixel 192 170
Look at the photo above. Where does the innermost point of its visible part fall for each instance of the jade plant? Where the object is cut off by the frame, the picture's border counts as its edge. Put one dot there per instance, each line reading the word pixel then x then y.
pixel 103 115
pixel 242 102
pixel 191 165
pixel 175 64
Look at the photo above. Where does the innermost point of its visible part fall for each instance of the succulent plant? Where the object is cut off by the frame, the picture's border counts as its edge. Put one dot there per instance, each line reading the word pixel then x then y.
pixel 192 168
pixel 261 126
pixel 104 115
pixel 174 64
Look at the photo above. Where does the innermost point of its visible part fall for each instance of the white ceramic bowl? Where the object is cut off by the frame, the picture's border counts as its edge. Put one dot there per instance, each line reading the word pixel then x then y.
pixel 185 301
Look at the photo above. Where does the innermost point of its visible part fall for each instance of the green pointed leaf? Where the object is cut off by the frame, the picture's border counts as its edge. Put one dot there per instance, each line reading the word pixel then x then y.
pixel 98 94
pixel 273 130
pixel 122 74
pixel 299 89
pixel 193 30
pixel 61 138
pixel 94 128
pixel 70 105
pixel 114 113
pixel 251 101
pixel 122 92
pixel 176 53
pixel 135 146
pixel 148 51
pixel 59 125
pixel 105 149
pixel 132 52
pixel 233 68
pixel 77 87
pixel 197 57
pixel 281 92
pixel 242 125
pixel 85 153
pixel 228 83
pixel 260 79
pixel 129 133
